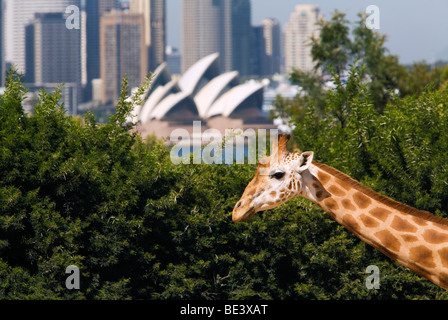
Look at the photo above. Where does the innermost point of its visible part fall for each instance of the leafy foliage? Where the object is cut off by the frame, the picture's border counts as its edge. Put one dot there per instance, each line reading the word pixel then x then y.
pixel 340 46
pixel 77 192
pixel 400 152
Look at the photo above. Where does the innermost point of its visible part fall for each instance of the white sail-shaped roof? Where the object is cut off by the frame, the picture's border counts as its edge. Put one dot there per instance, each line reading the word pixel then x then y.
pixel 193 76
pixel 156 96
pixel 232 99
pixel 161 75
pixel 174 101
pixel 212 90
pixel 200 93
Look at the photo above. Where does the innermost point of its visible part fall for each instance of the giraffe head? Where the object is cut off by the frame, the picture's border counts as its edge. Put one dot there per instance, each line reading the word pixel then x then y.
pixel 278 178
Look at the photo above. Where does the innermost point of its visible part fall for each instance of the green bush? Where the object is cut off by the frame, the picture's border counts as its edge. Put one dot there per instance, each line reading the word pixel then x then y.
pixel 77 192
pixel 400 152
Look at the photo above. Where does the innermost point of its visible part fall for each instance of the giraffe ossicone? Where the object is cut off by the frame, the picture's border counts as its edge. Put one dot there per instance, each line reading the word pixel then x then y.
pixel 414 238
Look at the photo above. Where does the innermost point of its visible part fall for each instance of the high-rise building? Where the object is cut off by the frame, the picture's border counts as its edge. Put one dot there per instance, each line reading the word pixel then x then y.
pixel 154 12
pixel 94 10
pixel 200 30
pixel 83 48
pixel 266 53
pixel 271 35
pixel 53 56
pixel 221 26
pixel 241 32
pixel 258 59
pixel 53 52
pixel 18 14
pixel 122 52
pixel 298 32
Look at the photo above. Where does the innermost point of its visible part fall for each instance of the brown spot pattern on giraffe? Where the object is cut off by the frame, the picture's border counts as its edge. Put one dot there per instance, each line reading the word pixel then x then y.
pixel 321 194
pixel 296 185
pixel 419 221
pixel 443 253
pixel 380 213
pixel 251 191
pixel 336 191
pixel 422 216
pixel 409 238
pixel 323 177
pixel 423 256
pixel 435 237
pixel 388 240
pixel 400 224
pixel 443 278
pixel 331 204
pixel 347 204
pixel 351 223
pixel 369 222
pixel 361 200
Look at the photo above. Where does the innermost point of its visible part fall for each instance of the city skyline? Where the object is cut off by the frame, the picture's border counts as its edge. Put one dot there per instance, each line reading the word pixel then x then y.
pixel 407 36
pixel 222 26
pixel 241 31
pixel 16 16
pixel 415 29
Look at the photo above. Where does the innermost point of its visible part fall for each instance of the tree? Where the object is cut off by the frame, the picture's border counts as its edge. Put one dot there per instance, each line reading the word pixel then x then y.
pixel 399 152
pixel 334 52
pixel 332 47
pixel 77 192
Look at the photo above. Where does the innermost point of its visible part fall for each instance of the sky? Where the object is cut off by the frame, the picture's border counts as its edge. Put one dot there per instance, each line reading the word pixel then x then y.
pixel 416 30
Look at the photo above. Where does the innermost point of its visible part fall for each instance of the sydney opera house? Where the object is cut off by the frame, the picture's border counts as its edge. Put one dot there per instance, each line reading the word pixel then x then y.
pixel 203 94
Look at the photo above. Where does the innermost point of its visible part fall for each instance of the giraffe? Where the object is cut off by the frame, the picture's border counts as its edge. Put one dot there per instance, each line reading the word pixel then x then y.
pixel 414 238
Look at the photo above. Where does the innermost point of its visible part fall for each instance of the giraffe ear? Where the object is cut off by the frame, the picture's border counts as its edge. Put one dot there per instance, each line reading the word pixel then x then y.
pixel 306 158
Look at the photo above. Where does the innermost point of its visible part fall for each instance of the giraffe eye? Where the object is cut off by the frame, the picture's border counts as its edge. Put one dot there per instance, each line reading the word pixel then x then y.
pixel 277 175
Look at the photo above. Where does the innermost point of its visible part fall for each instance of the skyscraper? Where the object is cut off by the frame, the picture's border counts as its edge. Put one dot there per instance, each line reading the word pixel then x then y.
pixel 258 59
pixel 53 56
pixel 18 14
pixel 240 25
pixel 298 31
pixel 154 12
pixel 222 26
pixel 271 35
pixel 266 53
pixel 53 52
pixel 122 51
pixel 94 10
pixel 201 32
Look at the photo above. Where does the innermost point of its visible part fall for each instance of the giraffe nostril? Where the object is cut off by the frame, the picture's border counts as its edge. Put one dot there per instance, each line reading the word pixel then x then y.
pixel 238 204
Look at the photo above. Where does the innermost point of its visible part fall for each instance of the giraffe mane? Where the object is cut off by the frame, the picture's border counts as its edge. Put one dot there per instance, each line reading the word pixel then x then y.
pixel 381 198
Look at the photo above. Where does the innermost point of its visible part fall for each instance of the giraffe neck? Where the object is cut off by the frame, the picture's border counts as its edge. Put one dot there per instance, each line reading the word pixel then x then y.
pixel 416 239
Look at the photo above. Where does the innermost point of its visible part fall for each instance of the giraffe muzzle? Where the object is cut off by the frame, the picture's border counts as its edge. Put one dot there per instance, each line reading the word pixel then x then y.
pixel 246 215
